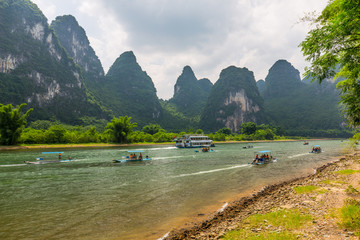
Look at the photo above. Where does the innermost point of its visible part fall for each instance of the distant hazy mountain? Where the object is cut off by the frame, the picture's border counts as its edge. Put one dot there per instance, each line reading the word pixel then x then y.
pixel 190 94
pixel 35 69
pixel 261 85
pixel 233 100
pixel 296 106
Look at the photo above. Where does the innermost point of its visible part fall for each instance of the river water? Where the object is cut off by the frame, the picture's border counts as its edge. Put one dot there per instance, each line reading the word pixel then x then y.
pixel 93 198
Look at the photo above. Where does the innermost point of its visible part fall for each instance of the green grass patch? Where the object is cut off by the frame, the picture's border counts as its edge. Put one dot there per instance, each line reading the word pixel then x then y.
pixel 282 219
pixel 347 171
pixel 333 182
pixel 309 189
pixel 248 235
pixel 351 190
pixel 350 215
pixel 288 219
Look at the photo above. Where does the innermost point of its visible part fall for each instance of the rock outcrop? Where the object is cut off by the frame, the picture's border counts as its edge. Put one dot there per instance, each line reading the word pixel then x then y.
pixel 233 100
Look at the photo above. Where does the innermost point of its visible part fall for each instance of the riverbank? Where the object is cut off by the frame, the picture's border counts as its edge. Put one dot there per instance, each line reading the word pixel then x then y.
pixel 330 184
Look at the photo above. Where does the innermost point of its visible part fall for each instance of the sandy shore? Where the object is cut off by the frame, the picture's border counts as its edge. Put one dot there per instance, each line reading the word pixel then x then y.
pixel 321 204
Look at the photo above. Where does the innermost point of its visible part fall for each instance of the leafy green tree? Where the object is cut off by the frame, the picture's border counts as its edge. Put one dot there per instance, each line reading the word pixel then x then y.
pixel 199 131
pixel 248 128
pixel 152 128
pixel 226 131
pixel 56 134
pixel 12 123
pixel 334 45
pixel 119 128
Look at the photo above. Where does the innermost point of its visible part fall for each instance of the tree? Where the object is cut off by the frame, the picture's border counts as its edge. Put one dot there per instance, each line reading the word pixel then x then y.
pixel 225 130
pixel 152 128
pixel 248 128
pixel 12 123
pixel 119 128
pixel 333 49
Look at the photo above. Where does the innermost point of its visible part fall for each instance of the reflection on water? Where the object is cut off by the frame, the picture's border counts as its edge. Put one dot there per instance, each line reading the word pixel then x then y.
pixel 93 198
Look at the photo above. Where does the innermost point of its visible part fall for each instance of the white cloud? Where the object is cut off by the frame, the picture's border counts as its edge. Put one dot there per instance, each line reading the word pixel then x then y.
pixel 208 35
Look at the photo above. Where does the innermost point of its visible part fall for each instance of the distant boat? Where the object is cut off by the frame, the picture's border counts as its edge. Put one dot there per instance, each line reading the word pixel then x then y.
pixel 263 157
pixel 207 149
pixel 193 141
pixel 306 143
pixel 248 146
pixel 133 157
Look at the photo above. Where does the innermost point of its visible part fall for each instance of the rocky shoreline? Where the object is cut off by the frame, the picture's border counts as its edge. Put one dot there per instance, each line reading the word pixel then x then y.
pixel 283 196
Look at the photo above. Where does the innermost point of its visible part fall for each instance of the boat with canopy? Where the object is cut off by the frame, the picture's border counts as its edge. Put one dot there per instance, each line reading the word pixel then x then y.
pixel 263 157
pixel 133 157
pixel 44 160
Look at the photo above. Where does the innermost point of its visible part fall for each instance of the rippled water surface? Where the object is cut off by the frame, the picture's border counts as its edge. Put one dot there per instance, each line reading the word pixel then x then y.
pixel 93 198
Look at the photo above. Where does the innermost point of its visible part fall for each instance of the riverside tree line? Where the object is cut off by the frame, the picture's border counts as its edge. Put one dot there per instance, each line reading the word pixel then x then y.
pixel 14 130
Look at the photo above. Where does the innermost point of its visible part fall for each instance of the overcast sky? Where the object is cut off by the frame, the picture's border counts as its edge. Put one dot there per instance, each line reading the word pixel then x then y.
pixel 207 35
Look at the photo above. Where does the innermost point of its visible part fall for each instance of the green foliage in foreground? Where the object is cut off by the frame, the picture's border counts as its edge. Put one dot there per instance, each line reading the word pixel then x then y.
pixel 350 215
pixel 334 43
pixel 285 219
pixel 12 122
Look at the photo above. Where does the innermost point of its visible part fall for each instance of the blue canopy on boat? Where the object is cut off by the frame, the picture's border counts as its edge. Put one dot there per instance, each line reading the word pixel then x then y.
pixel 316 145
pixel 136 151
pixel 265 151
pixel 51 152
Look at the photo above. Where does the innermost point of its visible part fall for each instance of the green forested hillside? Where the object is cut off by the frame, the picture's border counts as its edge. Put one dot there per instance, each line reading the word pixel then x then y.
pixel 297 107
pixel 130 91
pixel 190 94
pixel 35 68
pixel 55 71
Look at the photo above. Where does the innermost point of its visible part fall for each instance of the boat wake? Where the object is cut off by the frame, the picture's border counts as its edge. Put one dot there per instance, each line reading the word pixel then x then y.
pixel 298 155
pixel 212 171
pixel 162 158
pixel 13 165
pixel 149 149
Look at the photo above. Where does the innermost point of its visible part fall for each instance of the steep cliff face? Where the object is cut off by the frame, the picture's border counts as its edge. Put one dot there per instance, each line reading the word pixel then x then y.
pixel 233 100
pixel 130 91
pixel 34 67
pixel 73 38
pixel 190 94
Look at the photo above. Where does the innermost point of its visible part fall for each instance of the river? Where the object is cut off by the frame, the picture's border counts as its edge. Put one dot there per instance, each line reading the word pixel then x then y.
pixel 93 198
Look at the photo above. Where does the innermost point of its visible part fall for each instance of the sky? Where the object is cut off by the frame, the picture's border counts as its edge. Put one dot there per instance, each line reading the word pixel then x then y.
pixel 207 35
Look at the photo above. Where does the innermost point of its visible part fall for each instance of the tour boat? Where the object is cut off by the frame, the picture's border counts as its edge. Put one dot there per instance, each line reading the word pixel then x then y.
pixel 193 141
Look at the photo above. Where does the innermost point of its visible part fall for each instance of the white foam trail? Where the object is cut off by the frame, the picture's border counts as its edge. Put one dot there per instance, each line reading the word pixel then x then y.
pixel 13 165
pixel 158 158
pixel 165 236
pixel 148 149
pixel 298 155
pixel 223 207
pixel 212 171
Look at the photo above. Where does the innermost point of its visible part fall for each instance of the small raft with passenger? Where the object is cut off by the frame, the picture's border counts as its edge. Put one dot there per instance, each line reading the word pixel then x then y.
pixel 133 157
pixel 42 160
pixel 263 157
